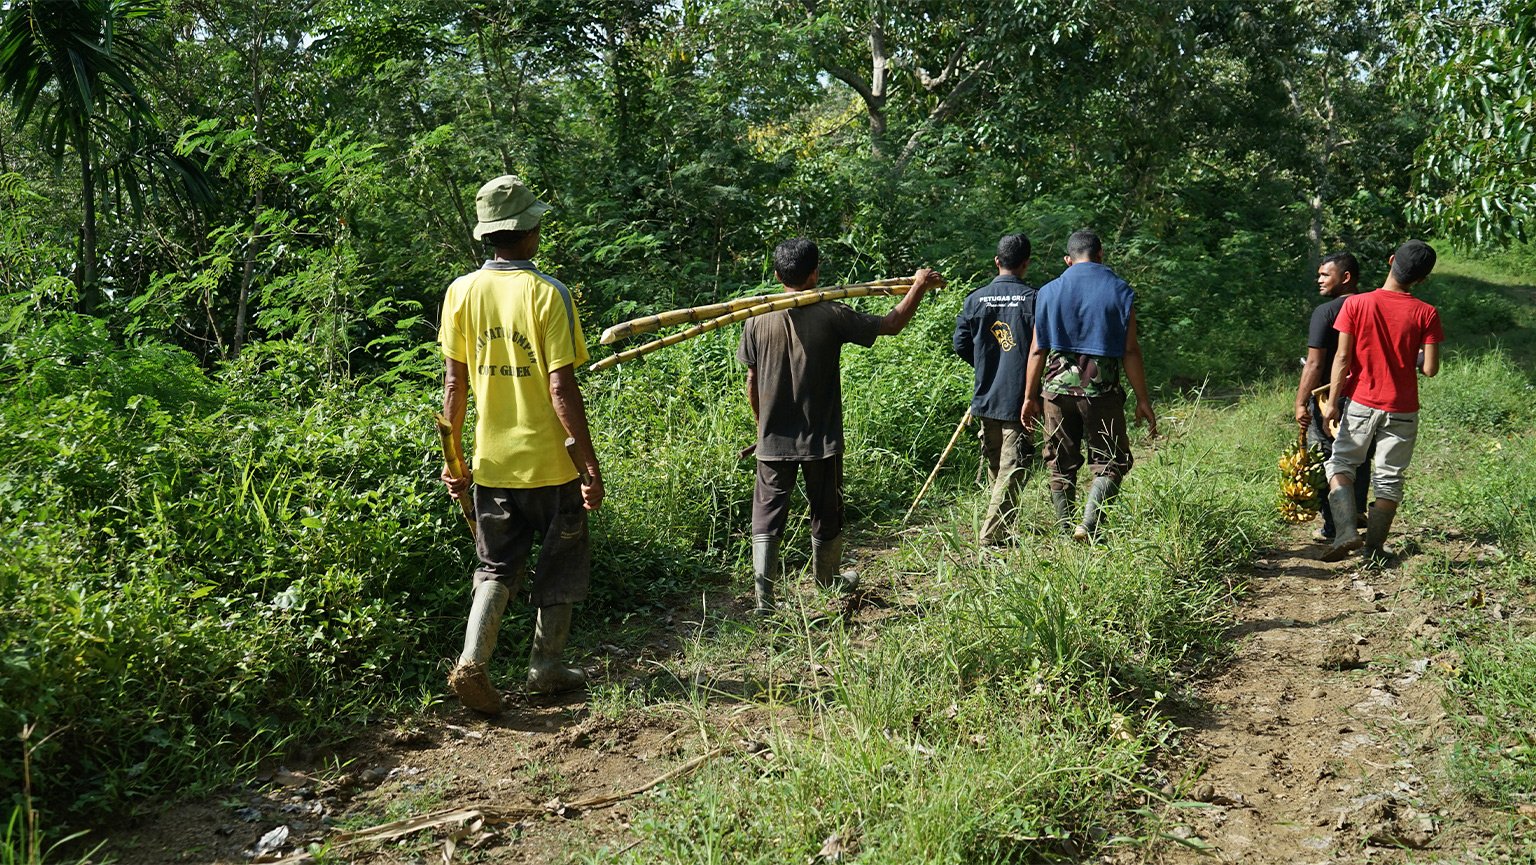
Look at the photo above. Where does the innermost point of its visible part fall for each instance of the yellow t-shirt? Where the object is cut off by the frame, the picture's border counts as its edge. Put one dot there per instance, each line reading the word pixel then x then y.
pixel 512 326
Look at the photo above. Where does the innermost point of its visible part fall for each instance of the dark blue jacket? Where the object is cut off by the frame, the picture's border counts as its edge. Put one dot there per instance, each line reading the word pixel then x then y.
pixel 1086 310
pixel 992 334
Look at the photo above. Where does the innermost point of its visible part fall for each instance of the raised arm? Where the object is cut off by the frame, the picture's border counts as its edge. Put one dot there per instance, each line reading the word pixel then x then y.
pixel 896 320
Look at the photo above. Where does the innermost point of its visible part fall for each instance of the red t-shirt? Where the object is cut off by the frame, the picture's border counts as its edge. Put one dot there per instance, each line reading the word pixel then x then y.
pixel 1388 328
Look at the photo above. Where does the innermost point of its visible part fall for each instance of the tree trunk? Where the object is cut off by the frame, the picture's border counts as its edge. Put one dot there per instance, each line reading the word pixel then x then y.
pixel 253 249
pixel 87 273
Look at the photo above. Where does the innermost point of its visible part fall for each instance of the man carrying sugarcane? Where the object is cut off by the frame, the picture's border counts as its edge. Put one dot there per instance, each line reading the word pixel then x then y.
pixel 1338 277
pixel 510 335
pixel 992 334
pixel 1387 338
pixel 1085 331
pixel 794 385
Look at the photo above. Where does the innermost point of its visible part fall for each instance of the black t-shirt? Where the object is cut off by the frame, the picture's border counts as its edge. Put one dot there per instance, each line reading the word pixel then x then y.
pixel 797 354
pixel 1322 335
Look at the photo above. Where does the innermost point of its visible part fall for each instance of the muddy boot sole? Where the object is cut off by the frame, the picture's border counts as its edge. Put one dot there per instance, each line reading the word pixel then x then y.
pixel 472 685
pixel 1339 552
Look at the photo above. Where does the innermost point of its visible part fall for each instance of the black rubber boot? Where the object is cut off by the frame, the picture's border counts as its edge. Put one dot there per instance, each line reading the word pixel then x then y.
pixel 826 558
pixel 765 572
pixel 546 674
pixel 1377 525
pixel 1100 495
pixel 1346 538
pixel 470 679
pixel 1062 501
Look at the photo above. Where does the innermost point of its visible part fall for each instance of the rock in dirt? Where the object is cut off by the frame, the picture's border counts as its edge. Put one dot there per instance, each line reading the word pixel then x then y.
pixel 1410 828
pixel 269 843
pixel 1342 654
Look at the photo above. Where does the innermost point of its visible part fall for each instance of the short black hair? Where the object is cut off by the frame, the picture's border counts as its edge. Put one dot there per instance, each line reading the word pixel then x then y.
pixel 1344 262
pixel 1412 262
pixel 795 260
pixel 506 238
pixel 1012 251
pixel 1084 244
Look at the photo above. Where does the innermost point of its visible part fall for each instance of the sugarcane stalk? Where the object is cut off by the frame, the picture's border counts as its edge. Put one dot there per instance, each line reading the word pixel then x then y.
pixel 964 422
pixel 648 323
pixel 791 300
pixel 453 461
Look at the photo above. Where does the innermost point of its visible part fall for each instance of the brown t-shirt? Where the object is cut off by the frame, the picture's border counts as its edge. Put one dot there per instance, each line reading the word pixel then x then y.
pixel 798 354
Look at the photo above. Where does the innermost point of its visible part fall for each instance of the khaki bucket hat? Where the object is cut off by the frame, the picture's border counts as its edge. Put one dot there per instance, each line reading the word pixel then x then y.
pixel 505 204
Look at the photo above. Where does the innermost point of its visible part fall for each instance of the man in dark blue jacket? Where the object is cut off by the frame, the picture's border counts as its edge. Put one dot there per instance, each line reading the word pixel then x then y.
pixel 992 334
pixel 1085 331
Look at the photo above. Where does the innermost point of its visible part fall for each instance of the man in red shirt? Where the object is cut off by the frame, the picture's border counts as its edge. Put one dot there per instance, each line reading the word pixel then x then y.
pixel 1386 338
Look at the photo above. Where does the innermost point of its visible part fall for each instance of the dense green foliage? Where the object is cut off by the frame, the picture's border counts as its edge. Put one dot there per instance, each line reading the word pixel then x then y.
pixel 225 230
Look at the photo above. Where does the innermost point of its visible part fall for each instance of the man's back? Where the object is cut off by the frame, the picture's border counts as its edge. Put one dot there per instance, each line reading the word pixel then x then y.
pixel 1388 328
pixel 511 326
pixel 993 334
pixel 1086 310
pixel 797 354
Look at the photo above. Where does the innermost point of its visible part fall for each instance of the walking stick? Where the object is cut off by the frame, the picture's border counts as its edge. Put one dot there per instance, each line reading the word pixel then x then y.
pixel 453 460
pixel 964 421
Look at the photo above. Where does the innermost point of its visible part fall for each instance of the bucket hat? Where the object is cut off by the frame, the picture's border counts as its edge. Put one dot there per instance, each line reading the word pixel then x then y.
pixel 505 204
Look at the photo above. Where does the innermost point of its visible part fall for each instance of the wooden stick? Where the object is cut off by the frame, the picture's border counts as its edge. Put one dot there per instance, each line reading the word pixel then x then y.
pixel 453 460
pixel 940 464
pixel 490 814
pixel 648 323
pixel 790 300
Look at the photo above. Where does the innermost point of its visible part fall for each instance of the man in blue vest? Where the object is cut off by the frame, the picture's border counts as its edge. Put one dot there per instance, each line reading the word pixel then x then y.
pixel 992 334
pixel 1085 332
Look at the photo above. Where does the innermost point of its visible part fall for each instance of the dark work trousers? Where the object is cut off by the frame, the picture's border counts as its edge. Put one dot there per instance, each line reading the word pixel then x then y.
pixel 1317 434
pixel 507 521
pixel 823 491
pixel 1095 422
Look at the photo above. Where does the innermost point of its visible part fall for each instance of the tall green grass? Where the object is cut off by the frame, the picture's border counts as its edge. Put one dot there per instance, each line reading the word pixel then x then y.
pixel 1008 712
pixel 1475 472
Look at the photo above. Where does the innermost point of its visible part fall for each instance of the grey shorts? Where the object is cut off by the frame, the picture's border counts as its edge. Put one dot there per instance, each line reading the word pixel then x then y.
pixel 1393 434
pixel 507 522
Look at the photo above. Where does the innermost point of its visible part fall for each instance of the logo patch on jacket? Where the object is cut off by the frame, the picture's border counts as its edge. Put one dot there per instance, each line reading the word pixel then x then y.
pixel 1004 335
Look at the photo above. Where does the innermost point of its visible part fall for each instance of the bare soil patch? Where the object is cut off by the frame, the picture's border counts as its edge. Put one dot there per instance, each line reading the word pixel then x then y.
pixel 1324 739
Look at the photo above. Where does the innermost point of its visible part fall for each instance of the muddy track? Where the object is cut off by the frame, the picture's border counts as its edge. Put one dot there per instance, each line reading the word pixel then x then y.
pixel 1324 740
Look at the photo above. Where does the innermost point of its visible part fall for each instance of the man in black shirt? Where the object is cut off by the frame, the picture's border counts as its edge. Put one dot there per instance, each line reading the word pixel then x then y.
pixel 992 334
pixel 794 385
pixel 1338 276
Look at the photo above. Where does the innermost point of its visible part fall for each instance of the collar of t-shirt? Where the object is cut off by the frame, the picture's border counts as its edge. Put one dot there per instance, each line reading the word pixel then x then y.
pixel 506 264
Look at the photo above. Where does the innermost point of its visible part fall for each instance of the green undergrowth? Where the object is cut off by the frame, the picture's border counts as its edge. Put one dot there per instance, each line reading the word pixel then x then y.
pixel 1008 710
pixel 209 569
pixel 1475 478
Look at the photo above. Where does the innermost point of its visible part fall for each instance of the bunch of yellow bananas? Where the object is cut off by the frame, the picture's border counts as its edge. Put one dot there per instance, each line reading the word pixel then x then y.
pixel 1301 478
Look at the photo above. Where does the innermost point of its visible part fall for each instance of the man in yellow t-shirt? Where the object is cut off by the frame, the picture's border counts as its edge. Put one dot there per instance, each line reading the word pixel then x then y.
pixel 510 335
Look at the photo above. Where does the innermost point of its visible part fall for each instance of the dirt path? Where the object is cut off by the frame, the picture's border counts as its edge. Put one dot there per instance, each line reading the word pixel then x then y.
pixel 526 772
pixel 1324 740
